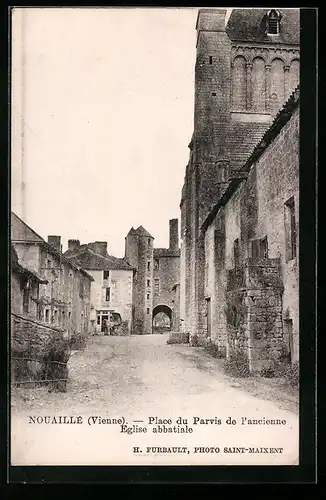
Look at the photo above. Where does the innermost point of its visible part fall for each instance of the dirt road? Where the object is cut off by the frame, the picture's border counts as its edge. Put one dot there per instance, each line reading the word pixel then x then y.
pixel 142 377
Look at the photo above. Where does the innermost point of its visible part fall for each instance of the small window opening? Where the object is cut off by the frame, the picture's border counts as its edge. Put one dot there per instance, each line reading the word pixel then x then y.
pixel 236 252
pixel 210 60
pixel 147 310
pixel 290 229
pixel 107 294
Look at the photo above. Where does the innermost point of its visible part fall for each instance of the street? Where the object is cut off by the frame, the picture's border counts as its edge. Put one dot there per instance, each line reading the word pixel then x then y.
pixel 140 377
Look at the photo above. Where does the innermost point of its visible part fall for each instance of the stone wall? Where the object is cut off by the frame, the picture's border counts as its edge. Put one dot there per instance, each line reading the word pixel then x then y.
pixel 254 312
pixel 265 288
pixel 38 353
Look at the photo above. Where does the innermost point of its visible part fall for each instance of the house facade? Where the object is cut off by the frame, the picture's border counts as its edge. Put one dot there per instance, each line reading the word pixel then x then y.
pixel 64 292
pixel 112 286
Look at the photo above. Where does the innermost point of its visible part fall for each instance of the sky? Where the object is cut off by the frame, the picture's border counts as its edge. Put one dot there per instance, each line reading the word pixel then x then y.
pixel 102 109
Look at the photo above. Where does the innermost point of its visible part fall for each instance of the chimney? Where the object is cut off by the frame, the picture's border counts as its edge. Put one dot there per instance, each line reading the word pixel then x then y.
pixel 174 234
pixel 100 247
pixel 73 245
pixel 55 242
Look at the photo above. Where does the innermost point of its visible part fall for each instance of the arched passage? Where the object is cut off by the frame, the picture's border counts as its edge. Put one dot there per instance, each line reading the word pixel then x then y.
pixel 162 318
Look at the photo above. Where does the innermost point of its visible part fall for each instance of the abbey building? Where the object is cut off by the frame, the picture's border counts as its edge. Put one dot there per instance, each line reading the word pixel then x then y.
pixel 239 273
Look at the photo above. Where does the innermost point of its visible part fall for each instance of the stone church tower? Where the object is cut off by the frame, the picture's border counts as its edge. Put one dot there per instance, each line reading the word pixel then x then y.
pixel 245 71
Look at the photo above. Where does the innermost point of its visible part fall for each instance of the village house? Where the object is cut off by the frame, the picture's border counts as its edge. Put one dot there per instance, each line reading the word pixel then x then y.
pixel 246 70
pixel 111 289
pixel 25 287
pixel 53 289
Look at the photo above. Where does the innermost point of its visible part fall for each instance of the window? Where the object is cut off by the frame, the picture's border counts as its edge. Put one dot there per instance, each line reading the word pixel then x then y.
pixel 55 317
pixel 98 320
pixel 156 286
pixel 259 248
pixel 148 266
pixel 148 283
pixel 156 264
pixel 63 318
pixel 81 289
pixel 147 296
pixel 290 230
pixel 273 22
pixel 264 248
pixel 149 242
pixel 26 296
pixel 147 310
pixel 107 294
pixel 106 275
pixel 47 315
pixel 236 252
pixel 210 60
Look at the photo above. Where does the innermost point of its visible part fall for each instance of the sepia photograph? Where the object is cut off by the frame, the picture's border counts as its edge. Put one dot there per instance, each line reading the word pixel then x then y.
pixel 154 239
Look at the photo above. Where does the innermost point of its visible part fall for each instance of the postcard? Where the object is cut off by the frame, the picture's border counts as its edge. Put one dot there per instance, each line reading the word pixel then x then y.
pixel 155 236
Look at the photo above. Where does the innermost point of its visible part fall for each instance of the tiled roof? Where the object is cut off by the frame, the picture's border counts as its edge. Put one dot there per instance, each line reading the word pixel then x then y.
pixel 273 130
pixel 242 139
pixel 90 260
pixel 166 252
pixel 248 25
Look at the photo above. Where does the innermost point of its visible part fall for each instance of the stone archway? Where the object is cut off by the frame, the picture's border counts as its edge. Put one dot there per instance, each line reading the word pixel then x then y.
pixel 162 319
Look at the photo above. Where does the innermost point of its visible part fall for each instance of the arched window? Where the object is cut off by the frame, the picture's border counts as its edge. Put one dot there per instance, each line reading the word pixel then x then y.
pixel 273 22
pixel 277 85
pixel 239 84
pixel 258 85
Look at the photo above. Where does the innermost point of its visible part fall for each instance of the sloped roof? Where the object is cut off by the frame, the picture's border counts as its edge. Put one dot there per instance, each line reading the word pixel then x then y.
pixel 166 252
pixel 242 138
pixel 248 25
pixel 274 129
pixel 141 231
pixel 132 230
pixel 91 260
pixel 20 231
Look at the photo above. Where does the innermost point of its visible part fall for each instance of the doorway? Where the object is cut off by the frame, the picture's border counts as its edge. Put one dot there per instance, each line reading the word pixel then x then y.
pixel 104 322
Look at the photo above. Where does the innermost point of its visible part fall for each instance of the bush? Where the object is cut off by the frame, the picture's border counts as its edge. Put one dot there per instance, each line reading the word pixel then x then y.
pixel 213 349
pixel 293 374
pixel 78 341
pixel 237 365
pixel 194 341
